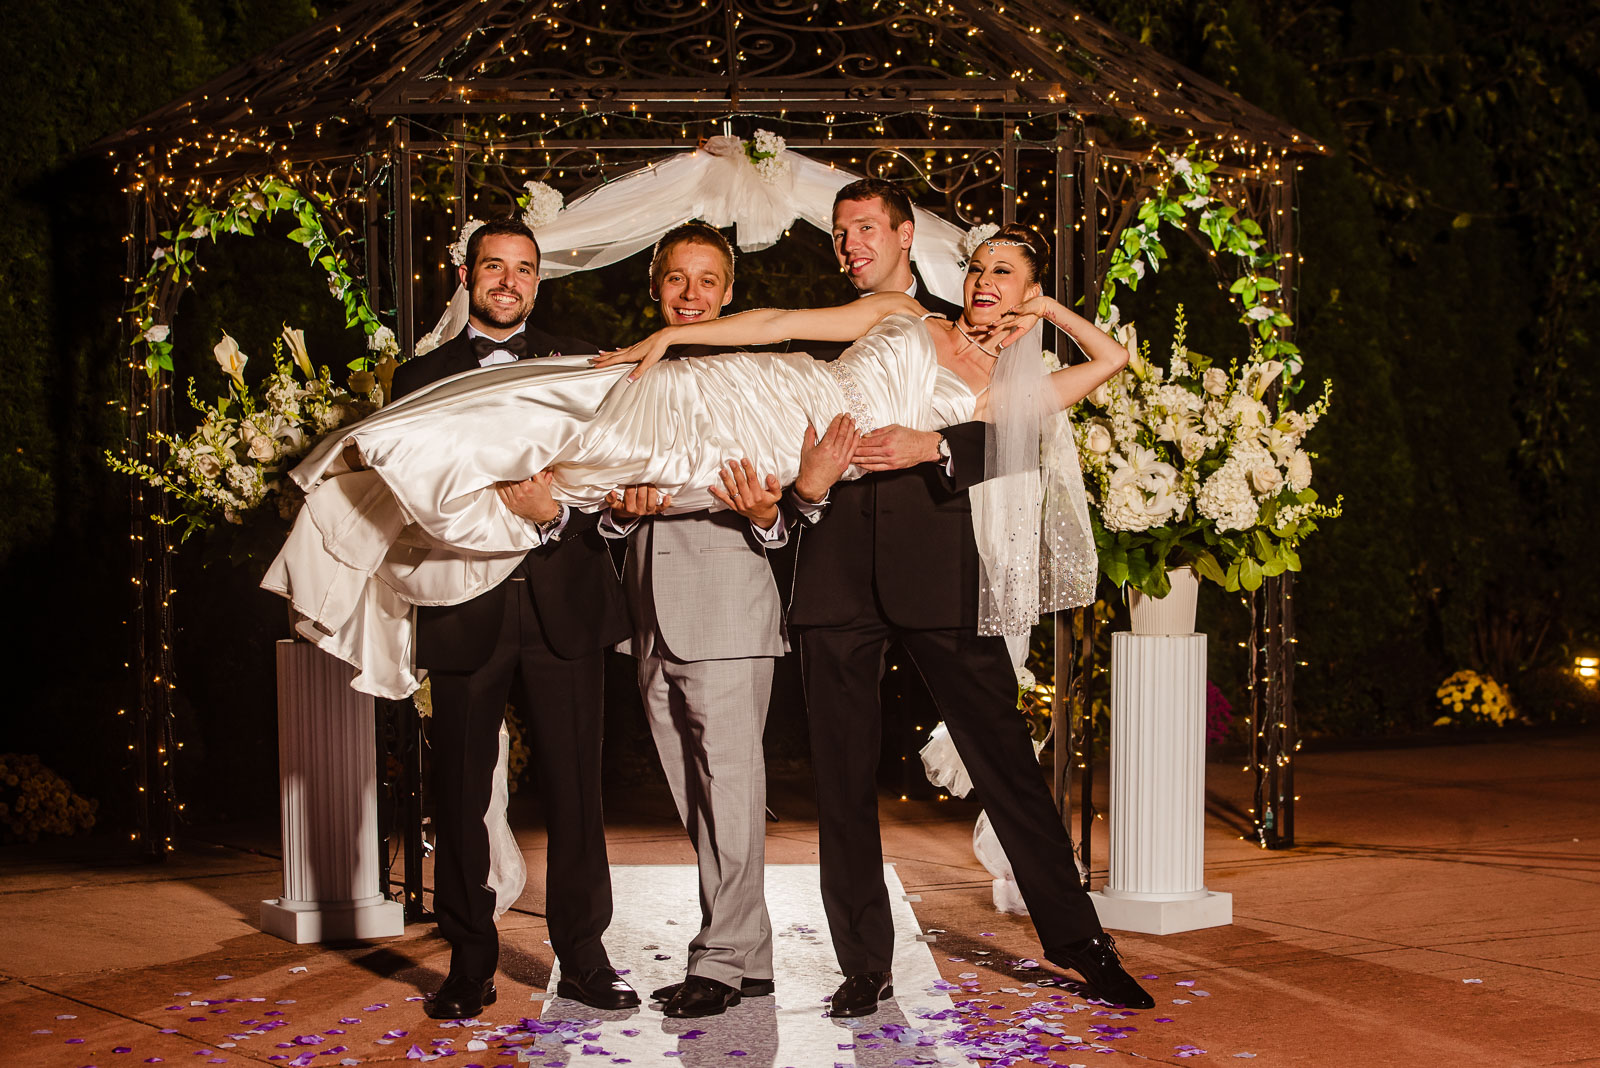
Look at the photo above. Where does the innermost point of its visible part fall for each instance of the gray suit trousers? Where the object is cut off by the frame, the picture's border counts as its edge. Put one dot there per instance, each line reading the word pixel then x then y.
pixel 707 717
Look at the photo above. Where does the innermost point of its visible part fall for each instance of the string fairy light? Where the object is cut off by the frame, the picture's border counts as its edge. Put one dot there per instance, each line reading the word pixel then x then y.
pixel 325 126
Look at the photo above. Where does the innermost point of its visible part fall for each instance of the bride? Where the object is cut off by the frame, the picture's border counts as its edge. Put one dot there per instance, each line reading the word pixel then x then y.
pixel 401 509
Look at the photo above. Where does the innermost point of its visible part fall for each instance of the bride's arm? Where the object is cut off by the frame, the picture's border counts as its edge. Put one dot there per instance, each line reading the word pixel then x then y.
pixel 1071 384
pixel 764 326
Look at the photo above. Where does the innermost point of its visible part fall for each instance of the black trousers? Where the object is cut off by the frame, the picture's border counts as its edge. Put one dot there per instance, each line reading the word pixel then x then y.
pixel 975 690
pixel 562 702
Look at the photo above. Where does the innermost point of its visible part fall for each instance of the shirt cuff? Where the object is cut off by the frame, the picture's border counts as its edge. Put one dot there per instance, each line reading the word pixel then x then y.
pixel 810 511
pixel 774 536
pixel 612 527
pixel 549 532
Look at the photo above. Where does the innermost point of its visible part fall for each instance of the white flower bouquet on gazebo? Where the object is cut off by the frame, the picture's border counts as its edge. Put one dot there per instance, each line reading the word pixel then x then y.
pixel 1196 465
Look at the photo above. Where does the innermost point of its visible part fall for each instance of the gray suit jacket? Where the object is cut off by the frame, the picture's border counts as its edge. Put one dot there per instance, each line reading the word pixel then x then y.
pixel 702 583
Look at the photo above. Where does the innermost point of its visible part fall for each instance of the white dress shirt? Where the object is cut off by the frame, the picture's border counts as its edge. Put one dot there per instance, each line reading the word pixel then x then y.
pixel 548 532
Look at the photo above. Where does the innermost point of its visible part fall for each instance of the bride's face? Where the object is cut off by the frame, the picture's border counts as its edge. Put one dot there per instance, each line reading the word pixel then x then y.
pixel 694 284
pixel 998 279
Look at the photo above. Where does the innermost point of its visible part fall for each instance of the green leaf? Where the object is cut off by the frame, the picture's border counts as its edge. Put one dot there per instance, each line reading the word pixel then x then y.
pixel 1206 565
pixel 1249 573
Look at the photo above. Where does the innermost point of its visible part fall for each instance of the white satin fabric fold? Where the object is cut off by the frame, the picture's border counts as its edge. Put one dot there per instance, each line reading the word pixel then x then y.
pixel 419 522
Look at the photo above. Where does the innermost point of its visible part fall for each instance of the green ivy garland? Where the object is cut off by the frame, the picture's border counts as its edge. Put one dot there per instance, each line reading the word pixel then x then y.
pixel 171 264
pixel 1140 247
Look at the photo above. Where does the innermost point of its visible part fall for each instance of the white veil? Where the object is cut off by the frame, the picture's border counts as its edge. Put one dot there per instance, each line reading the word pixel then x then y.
pixel 1030 515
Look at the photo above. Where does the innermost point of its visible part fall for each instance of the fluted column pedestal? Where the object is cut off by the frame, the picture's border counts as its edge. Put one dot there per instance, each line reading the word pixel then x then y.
pixel 1158 779
pixel 328 789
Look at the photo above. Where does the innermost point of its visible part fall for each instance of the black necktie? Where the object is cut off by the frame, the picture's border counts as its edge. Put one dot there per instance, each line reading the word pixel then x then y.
pixel 516 344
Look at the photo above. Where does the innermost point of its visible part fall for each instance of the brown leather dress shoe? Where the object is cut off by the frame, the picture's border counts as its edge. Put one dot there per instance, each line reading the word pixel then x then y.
pixel 859 994
pixel 598 988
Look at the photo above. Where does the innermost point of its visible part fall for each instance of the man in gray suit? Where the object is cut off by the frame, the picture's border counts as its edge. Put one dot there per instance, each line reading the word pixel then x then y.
pixel 707 629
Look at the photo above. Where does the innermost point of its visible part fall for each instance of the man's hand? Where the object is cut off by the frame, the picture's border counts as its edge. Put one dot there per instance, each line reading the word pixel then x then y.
pixel 530 498
pixel 748 494
pixel 632 502
pixel 893 447
pixel 824 459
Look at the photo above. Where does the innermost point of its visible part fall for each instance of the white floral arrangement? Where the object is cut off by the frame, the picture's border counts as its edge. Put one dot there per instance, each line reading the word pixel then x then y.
pixel 458 251
pixel 540 206
pixel 968 245
pixel 766 152
pixel 1194 464
pixel 235 460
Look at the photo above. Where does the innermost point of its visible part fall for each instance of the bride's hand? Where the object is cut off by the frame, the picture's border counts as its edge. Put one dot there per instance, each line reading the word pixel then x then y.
pixel 1019 320
pixel 646 354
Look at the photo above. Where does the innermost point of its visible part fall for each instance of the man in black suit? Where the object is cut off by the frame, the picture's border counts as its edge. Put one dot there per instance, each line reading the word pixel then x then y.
pixel 893 558
pixel 543 630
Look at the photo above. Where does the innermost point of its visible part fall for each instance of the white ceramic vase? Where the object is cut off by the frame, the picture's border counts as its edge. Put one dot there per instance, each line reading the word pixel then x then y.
pixel 1172 614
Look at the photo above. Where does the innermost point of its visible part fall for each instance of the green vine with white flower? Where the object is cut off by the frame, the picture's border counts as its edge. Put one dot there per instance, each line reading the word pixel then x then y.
pixel 1139 247
pixel 172 263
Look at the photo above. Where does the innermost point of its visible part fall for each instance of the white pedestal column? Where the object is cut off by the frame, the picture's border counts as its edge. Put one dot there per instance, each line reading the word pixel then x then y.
pixel 328 789
pixel 1158 778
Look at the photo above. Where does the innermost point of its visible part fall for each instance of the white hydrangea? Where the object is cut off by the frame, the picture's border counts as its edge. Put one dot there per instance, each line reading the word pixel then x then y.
pixel 1226 498
pixel 544 204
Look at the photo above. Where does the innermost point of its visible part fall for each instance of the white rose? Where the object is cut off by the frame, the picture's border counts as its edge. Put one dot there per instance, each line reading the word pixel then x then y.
pixel 230 359
pixel 1265 479
pixel 1215 381
pixel 1100 396
pixel 208 465
pixel 382 340
pixel 1192 446
pixel 1097 439
pixel 261 448
pixel 1299 470
pixel 158 333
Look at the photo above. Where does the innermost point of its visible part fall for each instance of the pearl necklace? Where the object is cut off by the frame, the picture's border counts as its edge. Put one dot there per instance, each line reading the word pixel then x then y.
pixel 973 341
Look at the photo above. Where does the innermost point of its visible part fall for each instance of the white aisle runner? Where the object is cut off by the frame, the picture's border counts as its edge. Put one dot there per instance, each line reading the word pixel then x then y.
pixel 657 912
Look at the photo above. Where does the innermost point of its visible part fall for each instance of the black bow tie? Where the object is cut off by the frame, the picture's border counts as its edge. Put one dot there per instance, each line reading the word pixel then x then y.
pixel 516 344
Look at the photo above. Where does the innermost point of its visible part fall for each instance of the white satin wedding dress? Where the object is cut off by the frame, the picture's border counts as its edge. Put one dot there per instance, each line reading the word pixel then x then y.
pixel 419 523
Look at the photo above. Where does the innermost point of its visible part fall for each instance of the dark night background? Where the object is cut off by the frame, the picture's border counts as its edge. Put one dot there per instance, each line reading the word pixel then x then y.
pixel 1448 290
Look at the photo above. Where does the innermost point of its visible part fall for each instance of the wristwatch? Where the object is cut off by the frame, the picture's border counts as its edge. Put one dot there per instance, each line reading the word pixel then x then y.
pixel 944 448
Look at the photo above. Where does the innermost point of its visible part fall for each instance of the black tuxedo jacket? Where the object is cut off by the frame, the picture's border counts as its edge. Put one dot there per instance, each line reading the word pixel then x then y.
pixel 573 584
pixel 902 539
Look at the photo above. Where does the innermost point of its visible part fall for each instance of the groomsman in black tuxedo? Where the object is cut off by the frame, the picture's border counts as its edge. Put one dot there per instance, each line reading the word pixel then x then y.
pixel 543 631
pixel 891 557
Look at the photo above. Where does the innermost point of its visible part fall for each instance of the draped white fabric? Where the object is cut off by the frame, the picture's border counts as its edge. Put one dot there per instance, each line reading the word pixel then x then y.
pixel 718 184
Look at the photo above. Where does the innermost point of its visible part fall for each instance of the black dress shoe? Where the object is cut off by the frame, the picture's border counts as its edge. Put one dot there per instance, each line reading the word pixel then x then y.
pixel 1097 960
pixel 598 988
pixel 460 998
pixel 748 988
pixel 698 996
pixel 859 994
